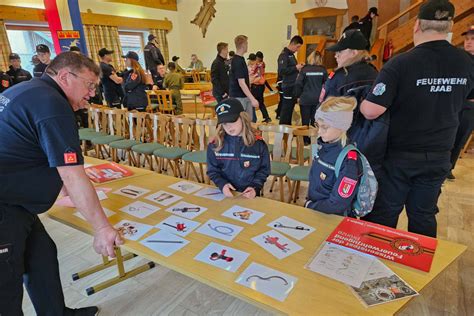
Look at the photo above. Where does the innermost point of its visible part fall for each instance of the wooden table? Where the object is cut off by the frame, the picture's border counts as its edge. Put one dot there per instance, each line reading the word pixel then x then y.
pixel 313 292
pixel 193 93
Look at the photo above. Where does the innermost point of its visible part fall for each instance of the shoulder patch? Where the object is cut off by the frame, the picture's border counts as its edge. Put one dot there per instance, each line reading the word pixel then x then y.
pixel 5 83
pixel 70 158
pixel 346 187
pixel 258 135
pixel 134 76
pixel 352 155
pixel 379 89
pixel 331 74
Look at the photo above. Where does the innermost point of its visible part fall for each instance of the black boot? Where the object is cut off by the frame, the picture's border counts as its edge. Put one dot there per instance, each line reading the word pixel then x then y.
pixel 84 311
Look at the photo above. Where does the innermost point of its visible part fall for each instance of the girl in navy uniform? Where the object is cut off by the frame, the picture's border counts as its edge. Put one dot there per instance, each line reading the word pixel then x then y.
pixel 237 159
pixel 134 84
pixel 326 193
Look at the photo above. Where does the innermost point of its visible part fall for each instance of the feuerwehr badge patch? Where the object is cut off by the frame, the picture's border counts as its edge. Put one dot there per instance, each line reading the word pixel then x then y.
pixel 379 89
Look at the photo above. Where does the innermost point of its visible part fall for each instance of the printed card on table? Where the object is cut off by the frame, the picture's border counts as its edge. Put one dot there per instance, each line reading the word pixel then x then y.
pixel 164 243
pixel 223 257
pixel 243 214
pixel 132 230
pixel 164 198
pixel 211 193
pixel 185 187
pixel 277 244
pixel 220 230
pixel 268 281
pixel 178 225
pixel 107 213
pixel 291 227
pixel 140 209
pixel 186 210
pixel 131 191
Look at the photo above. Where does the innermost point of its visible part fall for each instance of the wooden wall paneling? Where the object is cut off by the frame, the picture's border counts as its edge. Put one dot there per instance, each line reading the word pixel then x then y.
pixel 155 4
pixel 22 14
pixel 357 7
pixel 134 23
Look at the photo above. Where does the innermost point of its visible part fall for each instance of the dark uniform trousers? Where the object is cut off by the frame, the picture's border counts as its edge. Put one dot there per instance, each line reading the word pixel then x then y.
pixel 288 102
pixel 466 126
pixel 258 91
pixel 411 180
pixel 27 255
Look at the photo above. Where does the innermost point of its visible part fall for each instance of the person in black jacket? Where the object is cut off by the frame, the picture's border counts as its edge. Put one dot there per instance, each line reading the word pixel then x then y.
pixel 5 81
pixel 365 24
pixel 220 73
pixel 288 69
pixel 15 71
pixel 354 24
pixel 238 158
pixel 153 56
pixel 134 84
pixel 308 86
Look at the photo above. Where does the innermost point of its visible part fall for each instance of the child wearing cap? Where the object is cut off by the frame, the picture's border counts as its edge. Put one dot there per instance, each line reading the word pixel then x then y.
pixel 237 159
pixel 326 192
pixel 134 84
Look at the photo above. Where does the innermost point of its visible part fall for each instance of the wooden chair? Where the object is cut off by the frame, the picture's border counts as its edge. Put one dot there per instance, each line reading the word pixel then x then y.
pixel 182 144
pixel 196 76
pixel 209 102
pixel 137 128
pixel 280 151
pixel 301 172
pixel 206 129
pixel 466 147
pixel 116 129
pixel 152 106
pixel 165 101
pixel 207 78
pixel 97 126
pixel 161 124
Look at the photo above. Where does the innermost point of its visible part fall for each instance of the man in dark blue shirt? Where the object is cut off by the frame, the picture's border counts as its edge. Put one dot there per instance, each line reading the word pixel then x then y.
pixel 40 154
pixel 110 81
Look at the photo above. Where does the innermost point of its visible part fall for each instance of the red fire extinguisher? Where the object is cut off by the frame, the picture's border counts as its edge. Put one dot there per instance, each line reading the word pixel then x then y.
pixel 388 51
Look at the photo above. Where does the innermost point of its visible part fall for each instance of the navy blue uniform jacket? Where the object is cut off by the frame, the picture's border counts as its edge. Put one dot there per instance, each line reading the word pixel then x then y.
pixel 329 194
pixel 238 164
pixel 135 95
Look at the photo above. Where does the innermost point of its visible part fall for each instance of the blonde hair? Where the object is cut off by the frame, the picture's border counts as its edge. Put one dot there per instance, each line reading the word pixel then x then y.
pixel 436 26
pixel 248 132
pixel 240 40
pixel 336 104
pixel 315 58
pixel 359 56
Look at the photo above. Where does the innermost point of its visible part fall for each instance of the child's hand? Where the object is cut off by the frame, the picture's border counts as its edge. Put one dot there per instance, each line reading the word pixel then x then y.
pixel 227 190
pixel 249 193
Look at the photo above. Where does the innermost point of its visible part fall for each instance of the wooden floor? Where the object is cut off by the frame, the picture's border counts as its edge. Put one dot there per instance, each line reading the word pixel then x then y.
pixel 161 291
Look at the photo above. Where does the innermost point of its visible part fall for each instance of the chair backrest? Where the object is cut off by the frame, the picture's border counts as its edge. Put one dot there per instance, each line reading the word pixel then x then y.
pixel 282 139
pixel 165 100
pixel 150 107
pixel 137 124
pixel 206 129
pixel 208 75
pixel 183 132
pixel 300 133
pixel 196 76
pixel 116 122
pixel 97 118
pixel 161 128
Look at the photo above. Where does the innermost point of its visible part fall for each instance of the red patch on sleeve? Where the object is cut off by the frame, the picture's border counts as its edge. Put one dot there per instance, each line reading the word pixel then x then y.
pixel 346 187
pixel 258 135
pixel 70 158
pixel 352 155
pixel 5 83
pixel 134 76
pixel 331 74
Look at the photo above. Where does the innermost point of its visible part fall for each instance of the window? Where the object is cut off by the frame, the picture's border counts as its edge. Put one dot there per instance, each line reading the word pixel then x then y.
pixel 23 41
pixel 133 41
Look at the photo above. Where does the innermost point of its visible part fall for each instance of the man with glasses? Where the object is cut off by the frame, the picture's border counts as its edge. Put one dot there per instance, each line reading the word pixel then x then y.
pixel 40 156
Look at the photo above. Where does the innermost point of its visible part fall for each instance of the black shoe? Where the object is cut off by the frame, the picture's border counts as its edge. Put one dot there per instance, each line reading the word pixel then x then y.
pixel 84 311
pixel 451 176
pixel 267 120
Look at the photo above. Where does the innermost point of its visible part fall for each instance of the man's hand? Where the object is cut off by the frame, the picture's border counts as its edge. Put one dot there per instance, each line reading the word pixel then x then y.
pixel 249 193
pixel 227 190
pixel 105 239
pixel 299 66
pixel 254 102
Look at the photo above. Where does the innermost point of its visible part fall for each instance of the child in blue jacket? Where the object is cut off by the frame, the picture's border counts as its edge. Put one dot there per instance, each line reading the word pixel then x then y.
pixel 326 193
pixel 237 159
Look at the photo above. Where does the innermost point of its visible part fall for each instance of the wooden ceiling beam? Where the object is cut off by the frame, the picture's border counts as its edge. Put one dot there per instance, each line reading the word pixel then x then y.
pixel 22 14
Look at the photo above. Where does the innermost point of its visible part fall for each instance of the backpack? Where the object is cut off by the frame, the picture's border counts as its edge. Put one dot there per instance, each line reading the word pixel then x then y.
pixel 368 183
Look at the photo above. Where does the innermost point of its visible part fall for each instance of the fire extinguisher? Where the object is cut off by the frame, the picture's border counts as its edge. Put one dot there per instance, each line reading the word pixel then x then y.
pixel 388 51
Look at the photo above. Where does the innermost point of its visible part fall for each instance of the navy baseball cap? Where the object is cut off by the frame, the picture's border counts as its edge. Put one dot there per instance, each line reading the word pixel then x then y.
pixel 374 10
pixel 353 39
pixel 14 56
pixel 469 31
pixel 131 55
pixel 104 51
pixel 252 56
pixel 228 110
pixel 436 10
pixel 151 37
pixel 41 48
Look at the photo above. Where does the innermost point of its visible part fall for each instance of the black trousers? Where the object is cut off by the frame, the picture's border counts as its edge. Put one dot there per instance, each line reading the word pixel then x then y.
pixel 307 113
pixel 287 105
pixel 28 256
pixel 466 125
pixel 413 181
pixel 258 92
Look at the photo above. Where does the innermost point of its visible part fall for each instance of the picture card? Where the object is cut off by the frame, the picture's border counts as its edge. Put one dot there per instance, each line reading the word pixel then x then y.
pixel 178 225
pixel 378 270
pixel 277 244
pixel 67 202
pixel 243 214
pixel 342 264
pixel 383 290
pixel 211 193
pixel 268 281
pixel 186 187
pixel 107 213
pixel 164 198
pixel 132 230
pixel 291 227
pixel 222 257
pixel 164 243
pixel 220 230
pixel 186 210
pixel 131 191
pixel 140 209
